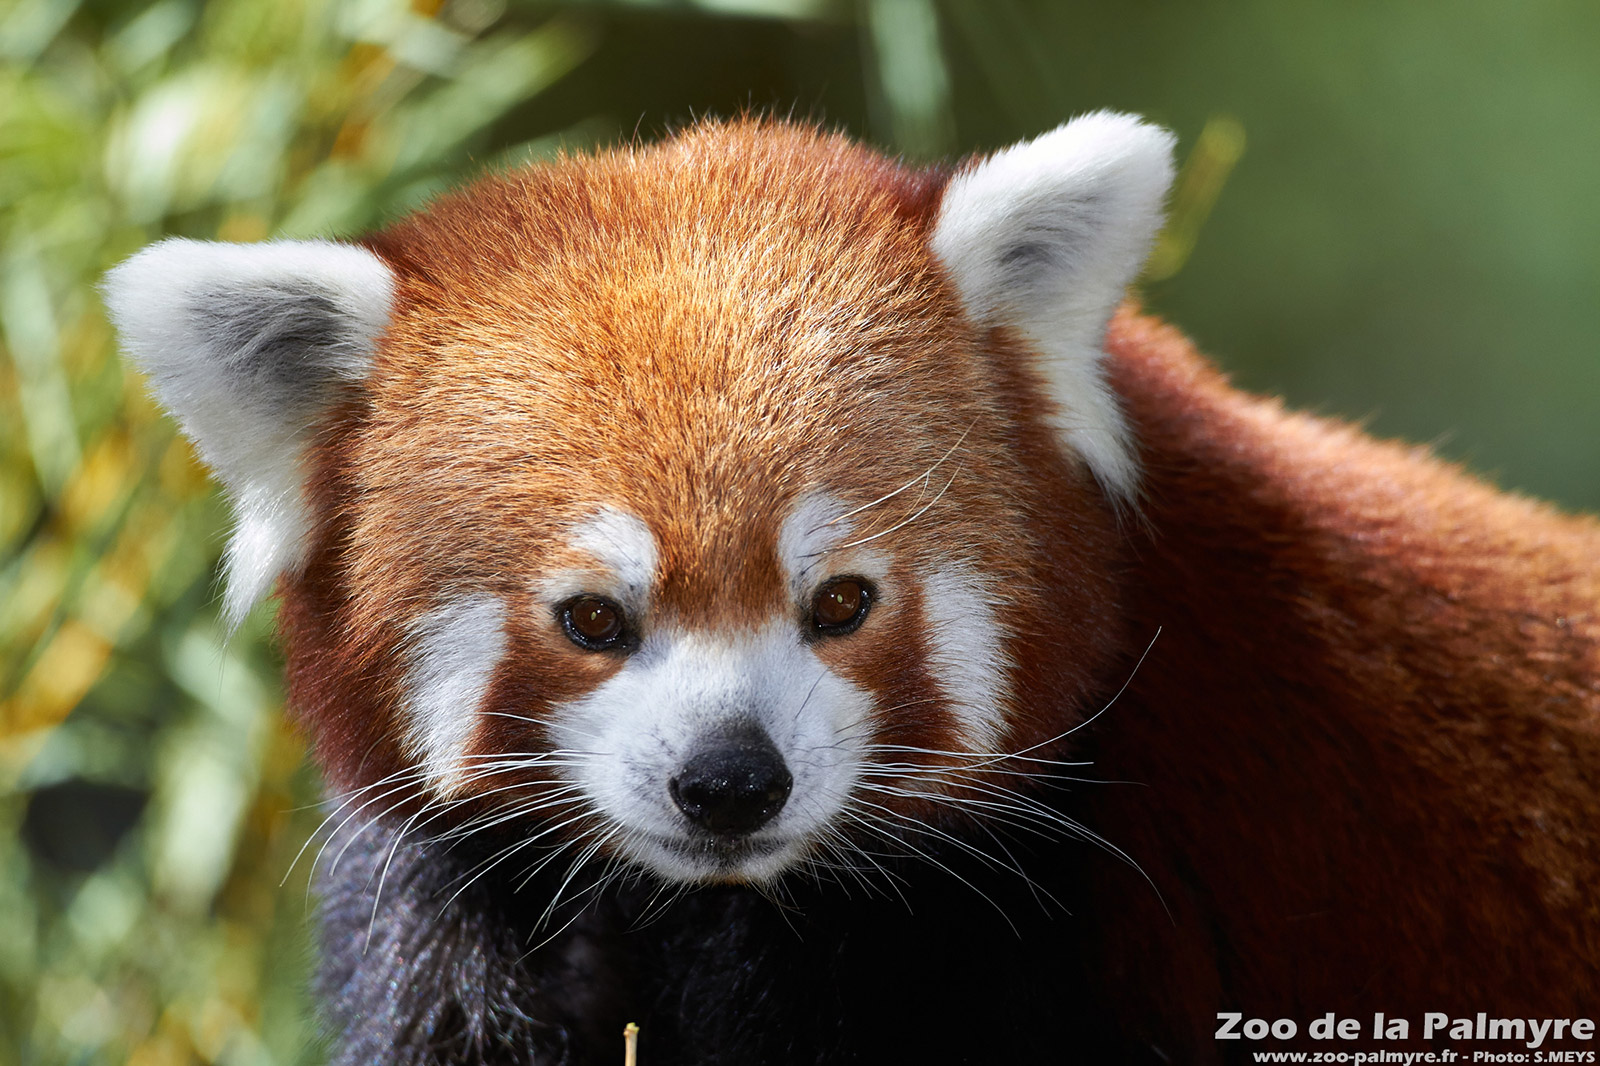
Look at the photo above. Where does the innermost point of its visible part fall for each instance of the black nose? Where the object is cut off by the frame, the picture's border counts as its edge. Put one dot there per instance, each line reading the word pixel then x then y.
pixel 733 785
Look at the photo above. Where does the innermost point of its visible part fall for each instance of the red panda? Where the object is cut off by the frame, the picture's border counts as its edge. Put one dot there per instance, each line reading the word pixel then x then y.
pixel 749 587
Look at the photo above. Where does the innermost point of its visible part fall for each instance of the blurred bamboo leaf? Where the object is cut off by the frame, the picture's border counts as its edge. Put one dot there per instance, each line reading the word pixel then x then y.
pixel 32 339
pixel 913 84
pixel 1195 192
pixel 30 25
pixel 237 119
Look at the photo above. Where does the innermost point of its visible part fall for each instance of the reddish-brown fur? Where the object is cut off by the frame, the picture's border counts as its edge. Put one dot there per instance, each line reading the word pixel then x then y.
pixel 1365 739
pixel 1390 783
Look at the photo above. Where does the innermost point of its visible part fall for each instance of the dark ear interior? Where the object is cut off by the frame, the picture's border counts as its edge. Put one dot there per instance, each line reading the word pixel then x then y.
pixel 1044 237
pixel 246 345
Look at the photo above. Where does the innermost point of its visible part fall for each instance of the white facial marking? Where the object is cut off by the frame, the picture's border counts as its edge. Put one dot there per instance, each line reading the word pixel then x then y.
pixel 1045 236
pixel 678 689
pixel 622 542
pixel 965 653
pixel 455 649
pixel 247 344
pixel 814 545
pixel 624 551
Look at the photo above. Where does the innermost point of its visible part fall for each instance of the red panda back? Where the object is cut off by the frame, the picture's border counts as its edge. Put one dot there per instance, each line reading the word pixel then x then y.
pixel 1370 723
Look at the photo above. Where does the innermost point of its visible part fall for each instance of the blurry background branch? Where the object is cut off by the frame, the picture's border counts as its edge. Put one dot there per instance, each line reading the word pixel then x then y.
pixel 1409 239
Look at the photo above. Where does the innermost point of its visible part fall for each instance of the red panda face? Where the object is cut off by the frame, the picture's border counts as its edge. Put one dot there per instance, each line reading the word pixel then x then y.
pixel 695 513
pixel 707 505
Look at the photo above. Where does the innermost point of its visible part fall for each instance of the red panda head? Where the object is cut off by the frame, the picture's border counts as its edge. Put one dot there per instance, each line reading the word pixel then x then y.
pixel 716 504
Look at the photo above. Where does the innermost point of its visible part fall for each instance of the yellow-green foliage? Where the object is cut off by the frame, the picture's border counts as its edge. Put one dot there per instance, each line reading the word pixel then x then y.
pixel 123 703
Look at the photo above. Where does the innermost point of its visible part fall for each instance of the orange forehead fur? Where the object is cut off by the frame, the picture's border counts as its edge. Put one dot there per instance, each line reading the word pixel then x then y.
pixel 696 332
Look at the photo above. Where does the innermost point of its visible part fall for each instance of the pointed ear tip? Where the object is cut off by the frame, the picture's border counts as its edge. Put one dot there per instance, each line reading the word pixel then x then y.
pixel 120 285
pixel 1120 134
pixel 116 288
pixel 144 285
pixel 159 250
pixel 1130 153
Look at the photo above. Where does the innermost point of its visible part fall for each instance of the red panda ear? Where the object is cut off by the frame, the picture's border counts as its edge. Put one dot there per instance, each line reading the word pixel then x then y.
pixel 1044 237
pixel 247 345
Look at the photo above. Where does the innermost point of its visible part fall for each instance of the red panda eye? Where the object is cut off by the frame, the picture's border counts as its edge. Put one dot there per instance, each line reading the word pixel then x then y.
pixel 839 606
pixel 593 623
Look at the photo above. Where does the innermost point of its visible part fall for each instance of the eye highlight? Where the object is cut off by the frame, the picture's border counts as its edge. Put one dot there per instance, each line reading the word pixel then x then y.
pixel 594 623
pixel 840 606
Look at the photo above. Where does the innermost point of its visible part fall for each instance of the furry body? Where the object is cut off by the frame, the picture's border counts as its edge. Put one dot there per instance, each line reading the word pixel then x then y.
pixel 704 383
pixel 1293 760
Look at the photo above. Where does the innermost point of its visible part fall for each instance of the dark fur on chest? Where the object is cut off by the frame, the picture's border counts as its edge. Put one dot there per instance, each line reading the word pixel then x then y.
pixel 928 971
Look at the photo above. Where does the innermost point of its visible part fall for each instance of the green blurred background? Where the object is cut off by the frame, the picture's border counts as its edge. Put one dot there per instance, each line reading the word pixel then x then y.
pixel 1387 211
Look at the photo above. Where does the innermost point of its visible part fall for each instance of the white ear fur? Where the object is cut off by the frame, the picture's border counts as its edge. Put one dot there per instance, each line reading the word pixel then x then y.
pixel 1044 237
pixel 247 345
